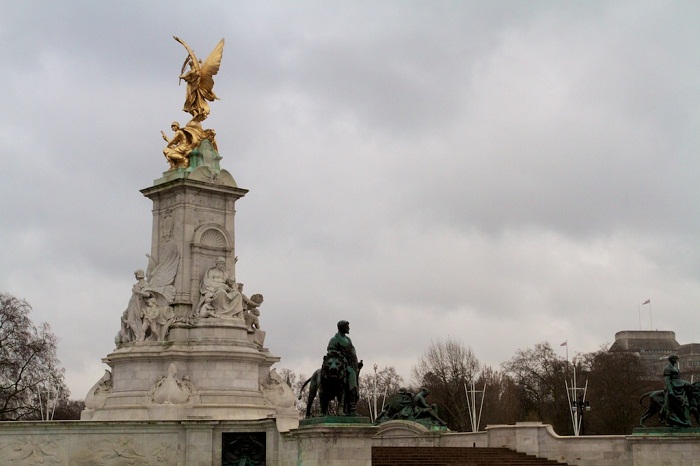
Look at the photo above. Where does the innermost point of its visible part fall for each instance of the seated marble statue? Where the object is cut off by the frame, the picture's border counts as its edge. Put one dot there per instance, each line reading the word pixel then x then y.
pixel 221 296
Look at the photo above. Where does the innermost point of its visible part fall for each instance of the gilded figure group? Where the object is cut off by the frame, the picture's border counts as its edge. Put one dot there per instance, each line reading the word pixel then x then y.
pixel 200 91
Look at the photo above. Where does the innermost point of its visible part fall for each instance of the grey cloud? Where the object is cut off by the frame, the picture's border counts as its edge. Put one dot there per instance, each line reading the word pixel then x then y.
pixel 494 171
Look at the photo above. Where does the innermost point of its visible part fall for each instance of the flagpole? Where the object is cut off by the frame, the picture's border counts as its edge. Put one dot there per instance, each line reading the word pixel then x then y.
pixel 651 323
pixel 639 309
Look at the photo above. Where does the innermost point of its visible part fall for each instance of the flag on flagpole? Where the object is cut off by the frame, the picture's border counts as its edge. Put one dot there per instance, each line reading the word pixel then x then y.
pixel 646 302
pixel 566 343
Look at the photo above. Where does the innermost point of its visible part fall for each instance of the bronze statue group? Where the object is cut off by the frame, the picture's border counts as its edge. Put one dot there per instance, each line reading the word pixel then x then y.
pixel 338 379
pixel 677 402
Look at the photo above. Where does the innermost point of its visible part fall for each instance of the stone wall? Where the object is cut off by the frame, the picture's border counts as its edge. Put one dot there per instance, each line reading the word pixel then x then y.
pixel 539 439
pixel 200 443
pixel 117 443
pixel 346 445
pixel 655 449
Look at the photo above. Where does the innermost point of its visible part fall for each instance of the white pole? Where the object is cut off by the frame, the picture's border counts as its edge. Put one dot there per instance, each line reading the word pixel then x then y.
pixel 469 406
pixel 374 395
pixel 569 407
pixel 478 421
pixel 474 416
pixel 48 403
pixel 583 406
pixel 575 398
pixel 639 308
pixel 55 402
pixel 41 406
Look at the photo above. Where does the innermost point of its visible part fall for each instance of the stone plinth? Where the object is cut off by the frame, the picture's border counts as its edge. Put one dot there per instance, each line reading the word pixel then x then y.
pixel 335 421
pixel 319 445
pixel 208 371
pixel 664 445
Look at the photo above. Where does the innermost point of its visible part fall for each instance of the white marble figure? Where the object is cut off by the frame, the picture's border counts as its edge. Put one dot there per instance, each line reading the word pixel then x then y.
pixel 252 313
pixel 131 318
pixel 157 319
pixel 99 392
pixel 220 295
pixel 148 315
pixel 276 391
pixel 169 390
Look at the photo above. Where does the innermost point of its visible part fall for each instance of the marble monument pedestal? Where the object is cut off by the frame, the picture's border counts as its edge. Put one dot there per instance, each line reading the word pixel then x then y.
pixel 215 369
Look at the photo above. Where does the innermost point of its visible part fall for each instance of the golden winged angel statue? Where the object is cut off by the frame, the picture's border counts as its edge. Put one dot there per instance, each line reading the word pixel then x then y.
pixel 199 80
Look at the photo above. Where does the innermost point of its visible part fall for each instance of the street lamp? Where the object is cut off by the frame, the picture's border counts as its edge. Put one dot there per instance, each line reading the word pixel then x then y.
pixel 578 407
pixel 577 400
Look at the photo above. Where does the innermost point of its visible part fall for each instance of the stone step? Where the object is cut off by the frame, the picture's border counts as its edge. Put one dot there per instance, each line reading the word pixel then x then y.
pixel 454 456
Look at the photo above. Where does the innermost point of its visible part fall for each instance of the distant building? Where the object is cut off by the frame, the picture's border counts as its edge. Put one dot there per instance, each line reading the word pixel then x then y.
pixel 689 361
pixel 652 346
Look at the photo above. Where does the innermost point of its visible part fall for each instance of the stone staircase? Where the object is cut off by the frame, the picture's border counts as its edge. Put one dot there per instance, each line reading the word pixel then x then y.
pixel 454 456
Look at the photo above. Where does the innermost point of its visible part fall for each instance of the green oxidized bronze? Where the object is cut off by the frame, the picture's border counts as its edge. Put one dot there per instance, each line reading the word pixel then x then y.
pixel 677 402
pixel 407 406
pixel 339 375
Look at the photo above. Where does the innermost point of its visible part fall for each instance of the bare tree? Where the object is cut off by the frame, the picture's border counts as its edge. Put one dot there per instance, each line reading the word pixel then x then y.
pixel 541 375
pixel 616 381
pixel 68 410
pixel 288 376
pixel 388 382
pixel 30 374
pixel 501 404
pixel 301 391
pixel 444 369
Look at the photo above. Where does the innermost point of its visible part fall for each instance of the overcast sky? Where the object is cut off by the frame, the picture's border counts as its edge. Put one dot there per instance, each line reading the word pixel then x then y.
pixel 503 173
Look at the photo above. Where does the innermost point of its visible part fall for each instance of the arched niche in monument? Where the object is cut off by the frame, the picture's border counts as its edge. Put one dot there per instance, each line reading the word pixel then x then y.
pixel 209 241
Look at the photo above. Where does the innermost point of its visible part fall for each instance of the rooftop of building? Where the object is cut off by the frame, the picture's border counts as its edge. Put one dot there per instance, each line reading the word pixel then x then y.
pixel 646 341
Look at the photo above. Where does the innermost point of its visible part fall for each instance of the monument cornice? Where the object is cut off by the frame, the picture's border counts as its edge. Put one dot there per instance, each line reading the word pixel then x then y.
pixel 180 184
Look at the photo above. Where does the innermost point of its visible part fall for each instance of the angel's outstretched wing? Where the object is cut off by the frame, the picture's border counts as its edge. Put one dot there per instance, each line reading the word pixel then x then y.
pixel 151 267
pixel 210 67
pixel 161 277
